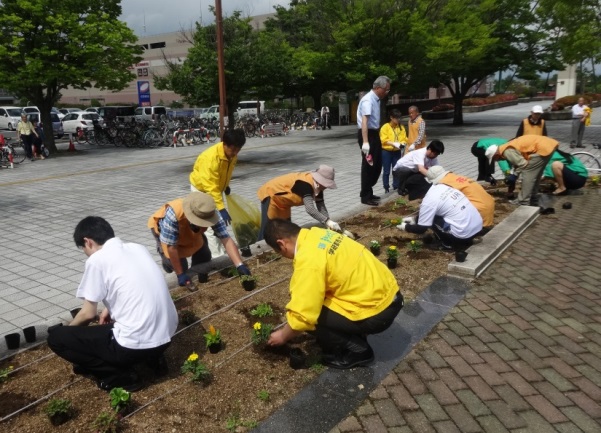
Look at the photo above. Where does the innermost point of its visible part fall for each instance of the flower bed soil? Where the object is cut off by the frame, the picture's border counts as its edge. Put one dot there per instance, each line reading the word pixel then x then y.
pixel 240 371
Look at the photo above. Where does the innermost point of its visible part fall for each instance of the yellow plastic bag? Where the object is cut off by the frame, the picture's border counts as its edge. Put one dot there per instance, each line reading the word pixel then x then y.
pixel 587 121
pixel 246 219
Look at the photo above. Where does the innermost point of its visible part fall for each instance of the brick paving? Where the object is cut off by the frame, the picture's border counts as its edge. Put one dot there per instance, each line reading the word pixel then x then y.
pixel 520 353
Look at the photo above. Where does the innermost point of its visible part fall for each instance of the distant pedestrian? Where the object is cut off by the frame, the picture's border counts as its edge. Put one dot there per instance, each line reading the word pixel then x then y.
pixel 38 142
pixel 534 124
pixel 368 122
pixel 325 118
pixel 528 154
pixel 394 140
pixel 26 132
pixel 416 129
pixel 580 112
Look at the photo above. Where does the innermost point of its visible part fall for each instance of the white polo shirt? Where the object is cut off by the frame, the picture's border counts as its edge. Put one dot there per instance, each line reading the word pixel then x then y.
pixel 414 158
pixel 125 278
pixel 578 111
pixel 454 207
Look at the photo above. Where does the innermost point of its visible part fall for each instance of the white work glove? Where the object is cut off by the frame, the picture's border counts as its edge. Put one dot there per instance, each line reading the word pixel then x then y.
pixel 412 147
pixel 348 234
pixel 396 145
pixel 333 225
pixel 402 226
pixel 365 148
pixel 409 220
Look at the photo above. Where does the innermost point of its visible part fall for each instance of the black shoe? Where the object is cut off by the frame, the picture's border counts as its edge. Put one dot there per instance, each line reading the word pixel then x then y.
pixel 375 197
pixel 445 247
pixel 572 146
pixel 386 190
pixel 78 369
pixel 128 381
pixel 370 202
pixel 348 359
pixel 403 192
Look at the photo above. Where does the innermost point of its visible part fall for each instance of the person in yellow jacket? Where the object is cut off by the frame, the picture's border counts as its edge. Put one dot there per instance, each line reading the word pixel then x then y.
pixel 475 193
pixel 179 228
pixel 339 292
pixel 528 154
pixel 280 194
pixel 394 140
pixel 212 173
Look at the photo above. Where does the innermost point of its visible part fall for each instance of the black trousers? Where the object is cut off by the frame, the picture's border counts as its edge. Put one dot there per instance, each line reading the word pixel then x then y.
pixel 441 229
pixel 95 350
pixel 203 255
pixel 370 173
pixel 485 170
pixel 335 333
pixel 28 143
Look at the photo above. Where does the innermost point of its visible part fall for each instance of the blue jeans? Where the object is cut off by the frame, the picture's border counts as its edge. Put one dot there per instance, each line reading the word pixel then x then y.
pixel 389 159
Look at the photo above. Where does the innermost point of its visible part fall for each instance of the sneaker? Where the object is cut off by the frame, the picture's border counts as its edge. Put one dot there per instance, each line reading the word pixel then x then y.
pixel 128 381
pixel 445 247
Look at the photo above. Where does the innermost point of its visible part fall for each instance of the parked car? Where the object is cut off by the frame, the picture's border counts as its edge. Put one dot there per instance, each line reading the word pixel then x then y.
pixel 66 111
pixel 211 113
pixel 150 113
pixel 122 113
pixel 31 109
pixel 80 120
pixel 249 107
pixel 9 117
pixel 57 125
pixel 57 112
pixel 92 110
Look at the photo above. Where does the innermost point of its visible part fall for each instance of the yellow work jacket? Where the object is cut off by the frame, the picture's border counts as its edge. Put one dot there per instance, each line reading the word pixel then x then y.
pixel 530 144
pixel 212 173
pixel 530 129
pixel 482 201
pixel 413 130
pixel 282 197
pixel 332 270
pixel 188 242
pixel 388 133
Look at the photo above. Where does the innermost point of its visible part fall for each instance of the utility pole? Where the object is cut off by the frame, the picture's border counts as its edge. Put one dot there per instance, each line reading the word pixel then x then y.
pixel 220 67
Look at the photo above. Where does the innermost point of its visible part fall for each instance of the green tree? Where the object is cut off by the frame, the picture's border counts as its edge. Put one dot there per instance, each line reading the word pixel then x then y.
pixel 47 46
pixel 255 62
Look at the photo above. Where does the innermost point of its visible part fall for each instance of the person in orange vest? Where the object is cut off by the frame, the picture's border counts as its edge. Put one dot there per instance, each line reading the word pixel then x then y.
pixel 533 124
pixel 528 154
pixel 280 194
pixel 475 193
pixel 179 228
pixel 416 130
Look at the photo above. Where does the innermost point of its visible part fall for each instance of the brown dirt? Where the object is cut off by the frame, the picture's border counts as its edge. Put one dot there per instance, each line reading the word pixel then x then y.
pixel 240 371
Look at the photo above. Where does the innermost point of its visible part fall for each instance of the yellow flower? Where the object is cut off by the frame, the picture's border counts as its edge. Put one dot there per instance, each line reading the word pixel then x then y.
pixel 193 357
pixel 412 242
pixel 257 326
pixel 212 330
pixel 392 248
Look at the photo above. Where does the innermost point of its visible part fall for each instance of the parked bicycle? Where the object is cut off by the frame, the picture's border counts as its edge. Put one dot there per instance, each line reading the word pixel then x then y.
pixel 9 155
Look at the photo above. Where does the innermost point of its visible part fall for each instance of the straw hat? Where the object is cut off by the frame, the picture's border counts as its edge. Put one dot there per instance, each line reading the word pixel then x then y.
pixel 324 175
pixel 200 209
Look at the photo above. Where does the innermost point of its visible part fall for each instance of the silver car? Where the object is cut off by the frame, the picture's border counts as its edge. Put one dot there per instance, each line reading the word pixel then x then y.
pixel 57 125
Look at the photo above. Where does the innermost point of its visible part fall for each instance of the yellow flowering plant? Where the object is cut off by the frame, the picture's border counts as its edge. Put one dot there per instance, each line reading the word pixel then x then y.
pixel 414 246
pixel 595 180
pixel 199 371
pixel 261 333
pixel 392 252
pixel 213 336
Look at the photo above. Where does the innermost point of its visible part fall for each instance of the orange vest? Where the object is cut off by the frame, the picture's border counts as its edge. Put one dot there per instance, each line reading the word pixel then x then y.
pixel 529 144
pixel 282 197
pixel 413 132
pixel 482 201
pixel 530 129
pixel 188 242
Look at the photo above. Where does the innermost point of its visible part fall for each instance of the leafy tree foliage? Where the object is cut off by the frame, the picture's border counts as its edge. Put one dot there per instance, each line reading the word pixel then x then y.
pixel 47 46
pixel 256 63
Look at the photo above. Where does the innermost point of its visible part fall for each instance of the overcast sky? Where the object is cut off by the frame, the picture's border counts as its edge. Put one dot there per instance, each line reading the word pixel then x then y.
pixel 151 17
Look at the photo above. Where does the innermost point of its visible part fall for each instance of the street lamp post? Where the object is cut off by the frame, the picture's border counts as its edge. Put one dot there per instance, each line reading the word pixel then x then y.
pixel 220 66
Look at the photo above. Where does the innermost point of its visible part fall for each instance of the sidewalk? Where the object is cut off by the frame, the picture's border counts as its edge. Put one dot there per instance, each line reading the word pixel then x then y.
pixel 519 354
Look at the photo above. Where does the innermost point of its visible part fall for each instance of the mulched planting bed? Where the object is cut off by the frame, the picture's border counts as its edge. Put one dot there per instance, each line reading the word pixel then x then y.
pixel 248 382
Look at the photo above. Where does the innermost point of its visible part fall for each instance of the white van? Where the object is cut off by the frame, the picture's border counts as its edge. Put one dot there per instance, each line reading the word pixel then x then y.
pixel 246 108
pixel 150 113
pixel 9 117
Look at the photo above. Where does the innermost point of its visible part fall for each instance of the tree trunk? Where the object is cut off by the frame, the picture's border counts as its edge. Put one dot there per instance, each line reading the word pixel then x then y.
pixel 458 110
pixel 45 107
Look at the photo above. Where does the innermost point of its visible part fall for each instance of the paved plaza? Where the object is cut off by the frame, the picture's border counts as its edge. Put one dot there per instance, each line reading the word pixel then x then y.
pixel 519 353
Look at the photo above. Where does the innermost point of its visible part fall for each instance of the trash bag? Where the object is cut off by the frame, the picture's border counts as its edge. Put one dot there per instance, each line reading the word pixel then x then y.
pixel 246 219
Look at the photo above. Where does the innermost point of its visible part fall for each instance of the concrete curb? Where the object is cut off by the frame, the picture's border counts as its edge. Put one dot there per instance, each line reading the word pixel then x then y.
pixel 482 255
